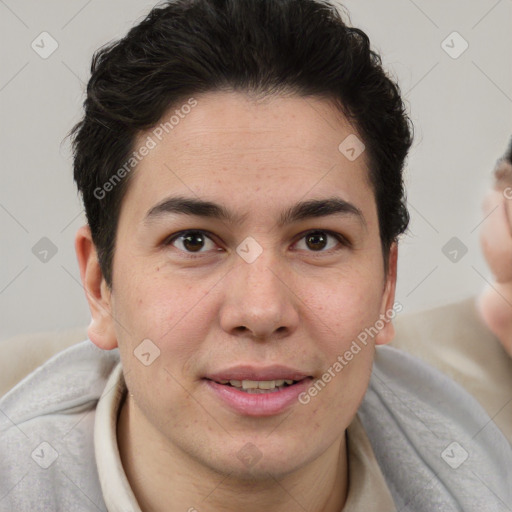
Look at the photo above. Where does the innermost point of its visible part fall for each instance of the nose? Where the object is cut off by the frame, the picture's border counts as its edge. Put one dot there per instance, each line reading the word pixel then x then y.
pixel 259 300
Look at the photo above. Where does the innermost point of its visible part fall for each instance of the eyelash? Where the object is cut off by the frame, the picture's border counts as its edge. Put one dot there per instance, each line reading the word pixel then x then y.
pixel 344 242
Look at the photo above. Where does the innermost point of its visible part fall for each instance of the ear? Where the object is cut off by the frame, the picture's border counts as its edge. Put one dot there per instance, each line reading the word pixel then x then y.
pixel 388 308
pixel 101 329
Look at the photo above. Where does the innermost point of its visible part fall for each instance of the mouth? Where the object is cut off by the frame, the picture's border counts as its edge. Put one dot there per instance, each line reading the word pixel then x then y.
pixel 259 386
pixel 249 394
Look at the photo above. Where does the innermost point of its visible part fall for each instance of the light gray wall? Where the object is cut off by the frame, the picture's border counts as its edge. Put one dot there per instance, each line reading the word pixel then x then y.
pixel 461 108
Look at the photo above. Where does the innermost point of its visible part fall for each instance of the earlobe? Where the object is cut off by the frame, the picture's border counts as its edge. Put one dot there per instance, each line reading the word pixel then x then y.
pixel 101 330
pixel 388 309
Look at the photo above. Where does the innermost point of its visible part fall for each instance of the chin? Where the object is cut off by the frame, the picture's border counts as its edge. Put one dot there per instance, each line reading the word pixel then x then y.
pixel 254 461
pixel 267 468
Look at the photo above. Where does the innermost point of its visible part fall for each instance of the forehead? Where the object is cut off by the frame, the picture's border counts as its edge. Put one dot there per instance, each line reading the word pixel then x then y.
pixel 249 152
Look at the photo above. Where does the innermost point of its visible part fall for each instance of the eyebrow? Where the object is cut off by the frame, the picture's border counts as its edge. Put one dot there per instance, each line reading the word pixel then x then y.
pixel 301 211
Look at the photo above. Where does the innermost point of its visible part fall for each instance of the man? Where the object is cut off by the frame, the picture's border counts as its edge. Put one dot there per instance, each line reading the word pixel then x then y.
pixel 240 163
pixel 471 340
pixel 496 237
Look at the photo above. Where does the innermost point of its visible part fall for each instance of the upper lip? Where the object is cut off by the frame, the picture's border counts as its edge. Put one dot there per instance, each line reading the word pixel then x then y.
pixel 249 372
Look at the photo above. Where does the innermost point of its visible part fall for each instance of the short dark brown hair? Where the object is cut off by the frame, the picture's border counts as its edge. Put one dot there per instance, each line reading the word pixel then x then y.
pixel 187 47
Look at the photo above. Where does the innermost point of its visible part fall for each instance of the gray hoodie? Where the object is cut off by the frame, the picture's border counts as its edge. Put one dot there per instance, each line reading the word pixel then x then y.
pixel 437 448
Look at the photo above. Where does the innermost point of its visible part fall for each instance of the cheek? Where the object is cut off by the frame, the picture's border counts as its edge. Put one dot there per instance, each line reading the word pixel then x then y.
pixel 156 305
pixel 167 320
pixel 348 315
pixel 347 304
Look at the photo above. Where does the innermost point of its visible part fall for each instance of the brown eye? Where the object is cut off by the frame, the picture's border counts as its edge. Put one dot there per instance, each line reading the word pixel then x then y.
pixel 191 241
pixel 318 241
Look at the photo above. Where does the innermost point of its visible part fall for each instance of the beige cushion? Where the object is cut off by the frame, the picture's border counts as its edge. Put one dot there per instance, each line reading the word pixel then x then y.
pixel 455 340
pixel 23 354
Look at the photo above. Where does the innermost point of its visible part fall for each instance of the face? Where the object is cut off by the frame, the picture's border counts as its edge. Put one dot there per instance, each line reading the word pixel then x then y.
pixel 496 231
pixel 270 292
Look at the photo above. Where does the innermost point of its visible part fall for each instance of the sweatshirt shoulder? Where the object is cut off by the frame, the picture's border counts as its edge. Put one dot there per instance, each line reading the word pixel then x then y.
pixel 434 442
pixel 46 433
pixel 68 381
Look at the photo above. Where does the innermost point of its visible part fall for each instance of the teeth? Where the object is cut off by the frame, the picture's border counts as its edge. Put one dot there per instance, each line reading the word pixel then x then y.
pixel 247 385
pixel 254 384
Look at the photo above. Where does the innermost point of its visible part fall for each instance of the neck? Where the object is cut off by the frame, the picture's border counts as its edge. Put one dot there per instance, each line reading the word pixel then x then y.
pixel 495 307
pixel 164 478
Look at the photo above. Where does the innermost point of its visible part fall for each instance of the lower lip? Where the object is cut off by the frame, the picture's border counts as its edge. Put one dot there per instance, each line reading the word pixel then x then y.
pixel 259 404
